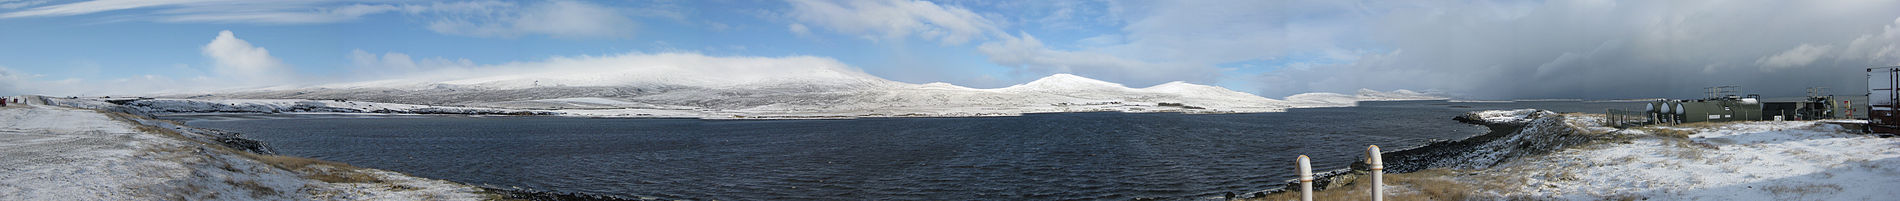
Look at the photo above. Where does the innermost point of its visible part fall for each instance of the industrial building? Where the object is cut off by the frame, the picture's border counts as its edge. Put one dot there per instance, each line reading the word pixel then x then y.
pixel 1721 107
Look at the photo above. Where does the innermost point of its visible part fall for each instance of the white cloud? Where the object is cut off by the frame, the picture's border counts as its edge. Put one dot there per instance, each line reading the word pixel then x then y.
pixel 688 69
pixel 238 60
pixel 394 64
pixel 390 61
pixel 10 82
pixel 1030 56
pixel 319 15
pixel 488 18
pixel 1876 49
pixel 566 19
pixel 1799 56
pixel 219 11
pixel 799 30
pixel 88 7
pixel 14 4
pixel 895 20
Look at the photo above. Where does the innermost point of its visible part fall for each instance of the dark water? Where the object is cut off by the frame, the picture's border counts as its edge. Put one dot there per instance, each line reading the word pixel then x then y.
pixel 1035 157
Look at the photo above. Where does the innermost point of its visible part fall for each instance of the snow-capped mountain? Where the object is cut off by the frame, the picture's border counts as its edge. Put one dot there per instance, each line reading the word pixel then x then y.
pixel 1067 84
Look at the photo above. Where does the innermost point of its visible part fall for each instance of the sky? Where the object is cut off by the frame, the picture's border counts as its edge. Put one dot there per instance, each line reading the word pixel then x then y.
pixel 1589 49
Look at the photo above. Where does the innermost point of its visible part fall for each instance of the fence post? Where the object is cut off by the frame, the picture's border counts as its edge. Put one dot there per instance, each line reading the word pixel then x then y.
pixel 1378 172
pixel 1306 179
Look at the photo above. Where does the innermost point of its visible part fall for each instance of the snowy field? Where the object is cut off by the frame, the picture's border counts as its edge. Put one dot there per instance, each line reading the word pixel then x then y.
pixel 1765 160
pixel 60 153
pixel 1581 160
pixel 1760 160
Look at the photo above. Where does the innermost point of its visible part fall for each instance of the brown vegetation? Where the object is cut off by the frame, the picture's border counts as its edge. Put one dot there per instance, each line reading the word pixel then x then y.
pixel 1432 184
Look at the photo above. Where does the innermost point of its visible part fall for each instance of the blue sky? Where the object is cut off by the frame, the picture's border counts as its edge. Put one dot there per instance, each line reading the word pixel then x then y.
pixel 1480 49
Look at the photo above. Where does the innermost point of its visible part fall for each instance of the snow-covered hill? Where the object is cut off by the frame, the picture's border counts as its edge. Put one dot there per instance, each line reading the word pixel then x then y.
pixel 1396 95
pixel 820 89
pixel 1322 99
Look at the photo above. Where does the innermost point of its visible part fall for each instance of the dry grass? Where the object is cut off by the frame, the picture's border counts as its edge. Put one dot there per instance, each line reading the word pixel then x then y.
pixel 1432 184
pixel 327 171
pixel 257 190
pixel 1801 192
pixel 321 170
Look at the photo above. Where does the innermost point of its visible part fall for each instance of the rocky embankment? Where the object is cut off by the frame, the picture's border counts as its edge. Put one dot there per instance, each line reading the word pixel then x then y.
pixel 1514 134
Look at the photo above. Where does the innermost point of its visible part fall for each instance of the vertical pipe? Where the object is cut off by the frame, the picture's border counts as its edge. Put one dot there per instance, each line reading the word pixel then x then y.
pixel 1306 179
pixel 1378 172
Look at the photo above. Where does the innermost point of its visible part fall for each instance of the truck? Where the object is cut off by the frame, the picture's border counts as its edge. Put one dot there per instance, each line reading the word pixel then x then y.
pixel 1883 92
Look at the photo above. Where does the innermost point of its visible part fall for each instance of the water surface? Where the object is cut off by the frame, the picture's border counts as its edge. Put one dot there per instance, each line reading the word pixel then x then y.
pixel 1037 157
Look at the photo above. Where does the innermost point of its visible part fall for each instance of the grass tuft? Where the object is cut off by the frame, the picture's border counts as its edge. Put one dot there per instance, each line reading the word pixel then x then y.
pixel 321 170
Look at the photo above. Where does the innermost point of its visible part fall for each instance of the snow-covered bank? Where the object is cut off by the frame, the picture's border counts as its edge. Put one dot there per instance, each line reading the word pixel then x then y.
pixel 1763 160
pixel 159 106
pixel 1572 157
pixel 60 153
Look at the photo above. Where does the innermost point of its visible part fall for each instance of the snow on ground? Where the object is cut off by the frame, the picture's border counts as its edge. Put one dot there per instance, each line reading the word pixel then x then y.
pixel 1518 116
pixel 1761 160
pixel 59 153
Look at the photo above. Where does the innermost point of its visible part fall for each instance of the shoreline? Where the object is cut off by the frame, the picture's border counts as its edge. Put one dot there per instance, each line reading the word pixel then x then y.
pixel 1404 159
pixel 1399 161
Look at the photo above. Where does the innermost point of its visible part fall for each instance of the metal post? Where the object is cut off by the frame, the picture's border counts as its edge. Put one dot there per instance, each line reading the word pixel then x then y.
pixel 1378 172
pixel 1306 179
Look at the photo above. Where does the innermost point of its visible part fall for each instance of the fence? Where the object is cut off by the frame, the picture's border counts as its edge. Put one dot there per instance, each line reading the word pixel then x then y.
pixel 1625 119
pixel 1373 161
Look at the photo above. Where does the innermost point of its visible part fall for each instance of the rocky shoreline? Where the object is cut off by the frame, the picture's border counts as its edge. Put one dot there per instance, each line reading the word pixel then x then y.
pixel 1545 131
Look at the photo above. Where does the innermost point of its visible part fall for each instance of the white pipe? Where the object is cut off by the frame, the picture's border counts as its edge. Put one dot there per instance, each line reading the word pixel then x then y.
pixel 1306 179
pixel 1378 173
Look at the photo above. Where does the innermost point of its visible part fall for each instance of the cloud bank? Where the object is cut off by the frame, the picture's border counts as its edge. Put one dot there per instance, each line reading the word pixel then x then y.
pixel 507 19
pixel 1480 49
pixel 1614 49
pixel 487 18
